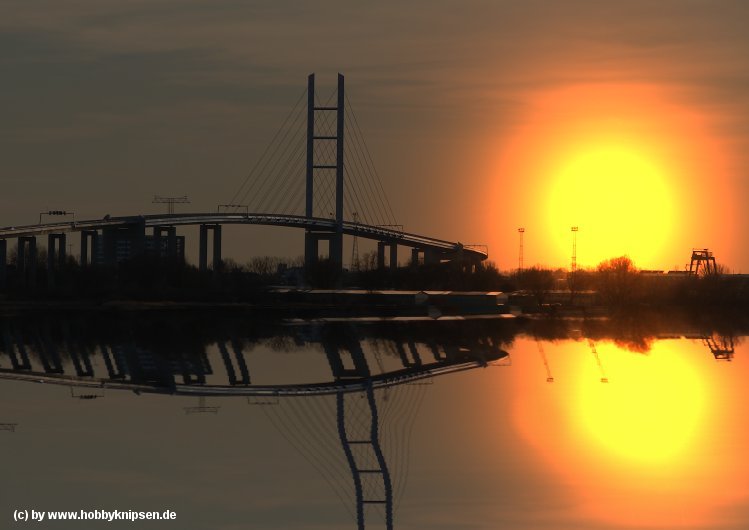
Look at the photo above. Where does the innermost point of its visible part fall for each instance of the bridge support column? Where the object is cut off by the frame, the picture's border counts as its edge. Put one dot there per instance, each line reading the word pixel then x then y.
pixel 310 249
pixel 380 254
pixel 431 257
pixel 335 250
pixel 393 262
pixel 335 240
pixel 203 254
pixel 26 260
pixel 55 256
pixel 217 264
pixel 3 263
pixel 86 236
pixel 203 249
pixel 415 255
pixel 312 246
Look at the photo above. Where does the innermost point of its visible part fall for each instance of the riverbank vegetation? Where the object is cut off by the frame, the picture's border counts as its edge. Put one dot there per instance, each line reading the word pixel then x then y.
pixel 615 284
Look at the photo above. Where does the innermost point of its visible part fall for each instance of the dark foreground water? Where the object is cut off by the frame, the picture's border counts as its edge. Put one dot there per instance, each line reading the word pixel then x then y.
pixel 237 423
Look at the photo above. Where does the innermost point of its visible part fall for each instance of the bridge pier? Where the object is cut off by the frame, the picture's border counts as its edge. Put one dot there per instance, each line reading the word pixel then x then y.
pixel 359 366
pixel 431 257
pixel 55 256
pixel 3 263
pixel 411 358
pixel 87 236
pixel 310 249
pixel 381 246
pixel 312 246
pixel 416 256
pixel 26 260
pixel 203 254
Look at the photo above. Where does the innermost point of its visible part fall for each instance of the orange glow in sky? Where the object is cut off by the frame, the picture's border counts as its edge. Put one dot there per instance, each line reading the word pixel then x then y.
pixel 638 173
pixel 656 446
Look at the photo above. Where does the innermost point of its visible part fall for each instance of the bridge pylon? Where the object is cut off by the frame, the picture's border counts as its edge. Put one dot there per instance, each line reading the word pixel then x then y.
pixel 314 166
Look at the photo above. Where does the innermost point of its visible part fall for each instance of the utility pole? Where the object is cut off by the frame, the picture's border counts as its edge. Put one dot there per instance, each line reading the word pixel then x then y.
pixel 170 201
pixel 55 212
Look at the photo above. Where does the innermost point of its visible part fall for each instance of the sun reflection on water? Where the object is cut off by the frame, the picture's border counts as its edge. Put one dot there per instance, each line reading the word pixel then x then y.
pixel 649 412
pixel 658 445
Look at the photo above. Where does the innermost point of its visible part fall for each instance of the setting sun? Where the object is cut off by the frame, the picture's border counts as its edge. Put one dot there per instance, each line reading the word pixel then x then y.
pixel 626 164
pixel 618 198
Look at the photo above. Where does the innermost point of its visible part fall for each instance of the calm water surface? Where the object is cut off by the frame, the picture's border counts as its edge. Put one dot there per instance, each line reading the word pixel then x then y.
pixel 482 425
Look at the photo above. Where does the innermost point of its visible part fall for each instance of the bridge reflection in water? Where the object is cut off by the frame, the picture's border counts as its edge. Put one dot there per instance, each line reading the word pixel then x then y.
pixel 353 425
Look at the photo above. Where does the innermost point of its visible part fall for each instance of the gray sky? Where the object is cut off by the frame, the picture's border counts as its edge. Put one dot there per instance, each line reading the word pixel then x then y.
pixel 108 103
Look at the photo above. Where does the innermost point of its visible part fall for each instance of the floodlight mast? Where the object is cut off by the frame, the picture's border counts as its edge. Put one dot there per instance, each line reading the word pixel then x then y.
pixel 574 230
pixel 521 232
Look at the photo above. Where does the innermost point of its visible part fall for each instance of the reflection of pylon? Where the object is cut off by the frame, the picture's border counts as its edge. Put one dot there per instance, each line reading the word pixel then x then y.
pixel 592 344
pixel 549 377
pixel 372 482
pixel 355 246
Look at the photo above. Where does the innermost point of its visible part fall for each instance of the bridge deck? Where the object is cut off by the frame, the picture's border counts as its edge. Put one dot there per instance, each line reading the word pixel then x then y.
pixel 377 233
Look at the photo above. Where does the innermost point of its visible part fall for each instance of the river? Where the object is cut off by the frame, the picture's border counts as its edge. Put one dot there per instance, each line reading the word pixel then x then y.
pixel 231 421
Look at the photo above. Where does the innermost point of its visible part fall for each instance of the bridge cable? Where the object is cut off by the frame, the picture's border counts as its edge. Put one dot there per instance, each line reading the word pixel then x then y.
pixel 381 218
pixel 324 466
pixel 282 146
pixel 270 163
pixel 373 172
pixel 267 148
pixel 268 191
pixel 294 194
pixel 355 167
pixel 314 423
pixel 358 165
pixel 289 186
pixel 383 195
pixel 373 197
pixel 276 192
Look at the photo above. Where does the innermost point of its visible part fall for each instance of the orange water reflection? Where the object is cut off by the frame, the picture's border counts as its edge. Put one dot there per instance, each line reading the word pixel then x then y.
pixel 661 444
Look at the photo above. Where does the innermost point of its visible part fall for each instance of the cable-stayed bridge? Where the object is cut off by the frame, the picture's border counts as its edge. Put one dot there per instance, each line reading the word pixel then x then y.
pixel 304 179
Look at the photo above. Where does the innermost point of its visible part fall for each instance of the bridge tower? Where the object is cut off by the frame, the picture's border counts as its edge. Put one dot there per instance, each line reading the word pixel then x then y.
pixel 313 237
